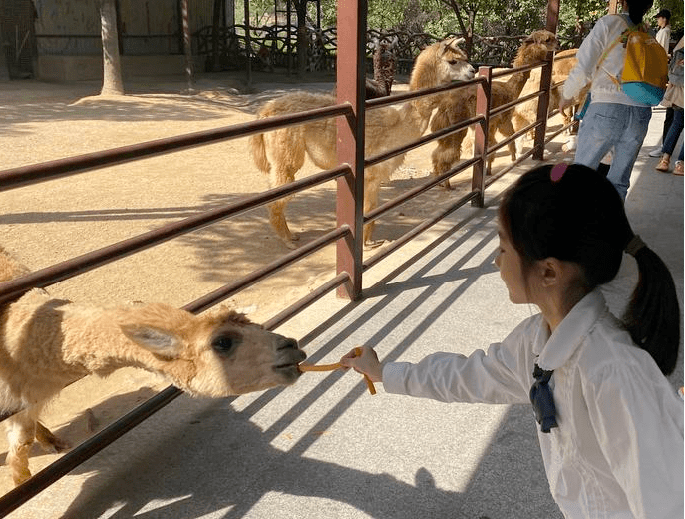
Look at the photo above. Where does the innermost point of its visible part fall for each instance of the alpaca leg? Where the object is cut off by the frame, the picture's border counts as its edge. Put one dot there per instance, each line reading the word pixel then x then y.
pixel 279 177
pixel 286 152
pixel 279 223
pixel 21 432
pixel 506 128
pixel 370 203
pixel 446 154
pixel 49 441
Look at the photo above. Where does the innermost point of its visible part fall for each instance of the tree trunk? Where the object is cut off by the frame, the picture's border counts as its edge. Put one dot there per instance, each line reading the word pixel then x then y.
pixel 112 82
pixel 302 36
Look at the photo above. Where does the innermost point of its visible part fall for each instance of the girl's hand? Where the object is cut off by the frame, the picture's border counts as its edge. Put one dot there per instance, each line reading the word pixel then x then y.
pixel 367 363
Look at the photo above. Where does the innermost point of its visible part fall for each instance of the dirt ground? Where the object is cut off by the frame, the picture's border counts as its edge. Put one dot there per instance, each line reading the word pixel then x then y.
pixel 53 221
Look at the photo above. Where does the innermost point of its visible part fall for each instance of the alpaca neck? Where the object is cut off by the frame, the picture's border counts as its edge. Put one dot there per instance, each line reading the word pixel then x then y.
pixel 94 341
pixel 417 114
pixel 517 81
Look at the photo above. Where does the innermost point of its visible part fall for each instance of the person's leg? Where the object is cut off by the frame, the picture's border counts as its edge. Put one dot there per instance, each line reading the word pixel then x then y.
pixel 671 138
pixel 596 134
pixel 678 169
pixel 627 147
pixel 667 123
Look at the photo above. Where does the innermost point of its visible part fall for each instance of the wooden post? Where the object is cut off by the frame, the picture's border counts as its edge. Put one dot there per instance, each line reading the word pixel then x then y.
pixel 543 108
pixel 480 145
pixel 350 140
pixel 545 83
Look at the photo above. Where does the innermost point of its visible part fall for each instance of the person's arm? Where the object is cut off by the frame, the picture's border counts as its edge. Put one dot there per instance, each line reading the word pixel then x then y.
pixel 640 431
pixel 588 56
pixel 496 377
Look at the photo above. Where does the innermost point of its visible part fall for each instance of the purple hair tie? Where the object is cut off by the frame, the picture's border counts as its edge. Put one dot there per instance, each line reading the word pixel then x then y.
pixel 557 172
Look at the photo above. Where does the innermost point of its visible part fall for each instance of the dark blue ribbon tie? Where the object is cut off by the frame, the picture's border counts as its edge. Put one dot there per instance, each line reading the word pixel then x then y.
pixel 542 399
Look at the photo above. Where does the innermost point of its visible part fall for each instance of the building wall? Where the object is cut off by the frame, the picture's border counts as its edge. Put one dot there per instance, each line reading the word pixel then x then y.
pixel 72 27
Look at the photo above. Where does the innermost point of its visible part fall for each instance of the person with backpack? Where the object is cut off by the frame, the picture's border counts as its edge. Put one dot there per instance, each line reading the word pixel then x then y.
pixel 613 119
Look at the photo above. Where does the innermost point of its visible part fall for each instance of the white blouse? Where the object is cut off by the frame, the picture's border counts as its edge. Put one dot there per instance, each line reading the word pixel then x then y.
pixel 618 449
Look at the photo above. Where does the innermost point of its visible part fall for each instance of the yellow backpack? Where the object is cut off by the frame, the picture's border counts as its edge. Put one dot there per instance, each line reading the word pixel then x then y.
pixel 645 67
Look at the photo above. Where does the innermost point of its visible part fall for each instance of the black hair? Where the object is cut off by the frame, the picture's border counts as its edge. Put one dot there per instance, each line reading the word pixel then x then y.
pixel 637 9
pixel 580 218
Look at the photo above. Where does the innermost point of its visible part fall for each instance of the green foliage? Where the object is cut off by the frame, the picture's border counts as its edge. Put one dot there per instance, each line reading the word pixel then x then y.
pixel 491 18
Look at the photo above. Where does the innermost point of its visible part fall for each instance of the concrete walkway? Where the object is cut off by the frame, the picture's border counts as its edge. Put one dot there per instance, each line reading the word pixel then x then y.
pixel 325 447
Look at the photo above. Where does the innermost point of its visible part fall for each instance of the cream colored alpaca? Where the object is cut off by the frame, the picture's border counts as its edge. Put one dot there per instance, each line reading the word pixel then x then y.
pixel 281 153
pixel 526 113
pixel 460 104
pixel 48 343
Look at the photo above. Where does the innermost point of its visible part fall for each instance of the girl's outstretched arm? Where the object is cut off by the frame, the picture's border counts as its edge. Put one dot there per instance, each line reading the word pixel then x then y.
pixel 366 363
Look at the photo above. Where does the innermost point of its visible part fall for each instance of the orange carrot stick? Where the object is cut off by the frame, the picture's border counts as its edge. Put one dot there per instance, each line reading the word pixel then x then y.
pixel 337 365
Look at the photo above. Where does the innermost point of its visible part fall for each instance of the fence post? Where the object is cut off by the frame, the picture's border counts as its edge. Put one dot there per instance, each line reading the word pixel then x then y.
pixel 543 107
pixel 480 145
pixel 350 140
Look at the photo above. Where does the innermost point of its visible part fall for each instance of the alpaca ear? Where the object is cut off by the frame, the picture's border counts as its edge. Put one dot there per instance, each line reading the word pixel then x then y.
pixel 160 342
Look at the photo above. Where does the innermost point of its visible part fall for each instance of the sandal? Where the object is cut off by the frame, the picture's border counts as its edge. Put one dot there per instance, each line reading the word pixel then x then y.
pixel 678 170
pixel 663 164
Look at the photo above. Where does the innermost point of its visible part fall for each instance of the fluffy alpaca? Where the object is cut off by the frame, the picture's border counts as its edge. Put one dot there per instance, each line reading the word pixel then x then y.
pixel 281 153
pixel 460 104
pixel 48 343
pixel 526 113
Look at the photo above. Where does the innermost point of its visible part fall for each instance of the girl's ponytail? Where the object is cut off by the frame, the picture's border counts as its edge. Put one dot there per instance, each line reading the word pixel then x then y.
pixel 653 315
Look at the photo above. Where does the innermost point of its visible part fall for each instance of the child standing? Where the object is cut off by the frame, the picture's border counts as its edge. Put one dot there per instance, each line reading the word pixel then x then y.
pixel 611 425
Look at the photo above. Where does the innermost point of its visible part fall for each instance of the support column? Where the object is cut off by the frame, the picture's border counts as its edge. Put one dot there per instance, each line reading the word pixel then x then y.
pixel 350 140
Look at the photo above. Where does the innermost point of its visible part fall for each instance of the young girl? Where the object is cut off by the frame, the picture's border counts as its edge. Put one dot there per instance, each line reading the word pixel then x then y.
pixel 611 425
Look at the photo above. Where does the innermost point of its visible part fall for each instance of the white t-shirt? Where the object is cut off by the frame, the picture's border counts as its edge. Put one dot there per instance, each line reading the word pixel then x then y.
pixel 663 36
pixel 618 449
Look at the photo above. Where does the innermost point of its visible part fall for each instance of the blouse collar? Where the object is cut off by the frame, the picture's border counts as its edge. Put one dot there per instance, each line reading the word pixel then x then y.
pixel 555 350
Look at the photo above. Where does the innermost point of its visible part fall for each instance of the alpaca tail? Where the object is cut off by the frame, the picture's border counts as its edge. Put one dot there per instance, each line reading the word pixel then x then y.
pixel 258 149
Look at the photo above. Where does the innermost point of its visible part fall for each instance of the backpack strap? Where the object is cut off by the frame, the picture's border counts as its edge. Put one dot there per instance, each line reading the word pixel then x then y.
pixel 611 47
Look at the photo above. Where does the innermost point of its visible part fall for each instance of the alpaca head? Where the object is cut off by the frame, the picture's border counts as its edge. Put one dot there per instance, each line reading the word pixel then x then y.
pixel 218 354
pixel 535 47
pixel 439 64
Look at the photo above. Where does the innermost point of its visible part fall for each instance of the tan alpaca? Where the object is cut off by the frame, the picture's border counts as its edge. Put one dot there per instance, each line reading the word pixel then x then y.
pixel 281 153
pixel 48 343
pixel 526 113
pixel 460 104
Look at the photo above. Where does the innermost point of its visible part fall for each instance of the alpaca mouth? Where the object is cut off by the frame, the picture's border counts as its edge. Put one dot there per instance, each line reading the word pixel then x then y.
pixel 290 371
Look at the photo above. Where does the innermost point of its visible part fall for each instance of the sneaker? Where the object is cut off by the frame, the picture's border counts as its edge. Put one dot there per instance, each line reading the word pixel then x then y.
pixel 655 153
pixel 678 169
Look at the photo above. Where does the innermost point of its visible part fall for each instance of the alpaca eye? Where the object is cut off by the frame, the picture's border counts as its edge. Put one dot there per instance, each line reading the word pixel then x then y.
pixel 225 344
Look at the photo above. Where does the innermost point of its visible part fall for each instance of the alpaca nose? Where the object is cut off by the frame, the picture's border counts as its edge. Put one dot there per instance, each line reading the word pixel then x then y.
pixel 286 343
pixel 288 352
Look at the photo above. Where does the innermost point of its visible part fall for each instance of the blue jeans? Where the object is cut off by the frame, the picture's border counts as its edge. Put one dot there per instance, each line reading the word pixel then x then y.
pixel 674 131
pixel 616 127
